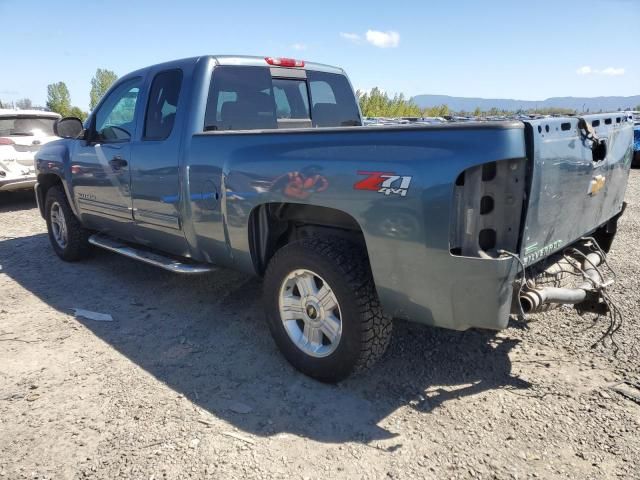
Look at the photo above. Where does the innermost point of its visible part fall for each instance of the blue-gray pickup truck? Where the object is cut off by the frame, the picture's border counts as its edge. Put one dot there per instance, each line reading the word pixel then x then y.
pixel 263 165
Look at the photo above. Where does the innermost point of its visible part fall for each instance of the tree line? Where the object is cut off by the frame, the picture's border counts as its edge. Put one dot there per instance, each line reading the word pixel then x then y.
pixel 59 99
pixel 378 103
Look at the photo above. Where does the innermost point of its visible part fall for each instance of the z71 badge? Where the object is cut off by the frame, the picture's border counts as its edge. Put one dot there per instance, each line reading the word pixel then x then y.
pixel 387 183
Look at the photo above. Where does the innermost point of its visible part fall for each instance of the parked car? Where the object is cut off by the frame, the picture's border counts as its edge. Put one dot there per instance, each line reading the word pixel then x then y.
pixel 262 165
pixel 22 133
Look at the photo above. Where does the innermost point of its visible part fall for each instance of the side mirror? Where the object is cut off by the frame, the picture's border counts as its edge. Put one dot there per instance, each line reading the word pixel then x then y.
pixel 68 127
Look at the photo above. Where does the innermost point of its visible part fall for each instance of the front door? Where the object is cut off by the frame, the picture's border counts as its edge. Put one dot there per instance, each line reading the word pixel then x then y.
pixel 100 166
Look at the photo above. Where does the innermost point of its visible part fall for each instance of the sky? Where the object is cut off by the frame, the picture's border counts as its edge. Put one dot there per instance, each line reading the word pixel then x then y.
pixel 490 49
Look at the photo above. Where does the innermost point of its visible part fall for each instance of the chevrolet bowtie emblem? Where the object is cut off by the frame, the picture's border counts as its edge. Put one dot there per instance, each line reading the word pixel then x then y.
pixel 597 184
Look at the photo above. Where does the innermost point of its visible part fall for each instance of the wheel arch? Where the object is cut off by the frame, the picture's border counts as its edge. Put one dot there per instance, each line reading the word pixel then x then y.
pixel 273 225
pixel 45 182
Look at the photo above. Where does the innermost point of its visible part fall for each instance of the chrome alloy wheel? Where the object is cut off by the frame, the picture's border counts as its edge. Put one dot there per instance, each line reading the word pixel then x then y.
pixel 58 225
pixel 310 313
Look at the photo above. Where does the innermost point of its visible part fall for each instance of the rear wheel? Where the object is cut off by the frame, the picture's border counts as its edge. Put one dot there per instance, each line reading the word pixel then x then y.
pixel 69 239
pixel 322 309
pixel 636 159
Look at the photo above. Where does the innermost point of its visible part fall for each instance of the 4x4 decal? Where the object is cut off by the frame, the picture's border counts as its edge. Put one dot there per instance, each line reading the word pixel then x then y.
pixel 387 183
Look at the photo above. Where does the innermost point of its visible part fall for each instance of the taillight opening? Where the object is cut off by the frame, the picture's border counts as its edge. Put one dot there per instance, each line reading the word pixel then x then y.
pixel 487 209
pixel 6 141
pixel 284 62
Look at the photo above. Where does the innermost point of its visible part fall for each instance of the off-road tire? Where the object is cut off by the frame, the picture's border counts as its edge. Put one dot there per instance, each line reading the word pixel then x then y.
pixel 366 331
pixel 77 246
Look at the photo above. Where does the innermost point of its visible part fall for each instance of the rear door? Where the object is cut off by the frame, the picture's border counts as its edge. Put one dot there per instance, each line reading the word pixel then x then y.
pixel 574 189
pixel 155 169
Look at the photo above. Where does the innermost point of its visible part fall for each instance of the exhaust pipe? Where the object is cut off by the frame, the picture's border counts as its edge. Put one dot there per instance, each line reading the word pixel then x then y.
pixel 534 299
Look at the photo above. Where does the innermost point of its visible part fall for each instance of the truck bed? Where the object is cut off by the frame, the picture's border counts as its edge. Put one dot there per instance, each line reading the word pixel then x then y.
pixel 417 271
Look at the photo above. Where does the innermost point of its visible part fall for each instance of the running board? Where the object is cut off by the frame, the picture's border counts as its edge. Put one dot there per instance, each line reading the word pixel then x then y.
pixel 162 261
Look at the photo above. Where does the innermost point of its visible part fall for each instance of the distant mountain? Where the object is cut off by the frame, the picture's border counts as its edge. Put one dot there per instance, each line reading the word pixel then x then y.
pixel 579 104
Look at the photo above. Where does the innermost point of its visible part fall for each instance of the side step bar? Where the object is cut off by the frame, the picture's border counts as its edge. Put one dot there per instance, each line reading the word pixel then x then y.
pixel 162 261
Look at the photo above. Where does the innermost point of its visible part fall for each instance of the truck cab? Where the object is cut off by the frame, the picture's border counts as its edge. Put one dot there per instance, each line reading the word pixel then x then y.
pixel 126 175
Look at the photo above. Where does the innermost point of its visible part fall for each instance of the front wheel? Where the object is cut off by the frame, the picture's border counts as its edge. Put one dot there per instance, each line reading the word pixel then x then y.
pixel 69 239
pixel 323 310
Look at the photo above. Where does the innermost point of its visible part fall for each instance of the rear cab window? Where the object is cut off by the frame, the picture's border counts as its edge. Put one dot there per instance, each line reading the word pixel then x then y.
pixel 258 98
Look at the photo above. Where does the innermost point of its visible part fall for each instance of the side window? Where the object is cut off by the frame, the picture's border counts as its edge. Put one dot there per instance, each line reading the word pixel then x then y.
pixel 115 119
pixel 240 98
pixel 333 103
pixel 162 105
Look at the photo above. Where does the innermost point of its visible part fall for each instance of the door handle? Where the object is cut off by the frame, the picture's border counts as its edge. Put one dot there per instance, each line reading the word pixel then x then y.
pixel 118 162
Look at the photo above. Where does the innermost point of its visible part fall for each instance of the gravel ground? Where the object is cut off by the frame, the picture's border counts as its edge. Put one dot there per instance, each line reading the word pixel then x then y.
pixel 187 383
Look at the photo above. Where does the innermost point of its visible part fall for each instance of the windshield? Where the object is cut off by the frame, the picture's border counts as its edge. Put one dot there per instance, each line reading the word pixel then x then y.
pixel 26 126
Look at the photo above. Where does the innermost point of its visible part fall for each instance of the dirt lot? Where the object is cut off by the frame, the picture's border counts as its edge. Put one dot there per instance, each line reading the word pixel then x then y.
pixel 187 383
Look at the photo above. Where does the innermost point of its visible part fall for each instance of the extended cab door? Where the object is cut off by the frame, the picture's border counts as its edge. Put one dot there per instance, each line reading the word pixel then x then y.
pixel 100 164
pixel 155 168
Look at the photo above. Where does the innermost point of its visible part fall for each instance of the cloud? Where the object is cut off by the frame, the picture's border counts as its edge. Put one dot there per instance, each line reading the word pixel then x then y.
pixel 299 46
pixel 352 37
pixel 609 71
pixel 388 39
pixel 613 71
pixel 379 39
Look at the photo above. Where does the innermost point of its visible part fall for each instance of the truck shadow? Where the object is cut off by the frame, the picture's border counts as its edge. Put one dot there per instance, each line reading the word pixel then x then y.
pixel 205 338
pixel 15 201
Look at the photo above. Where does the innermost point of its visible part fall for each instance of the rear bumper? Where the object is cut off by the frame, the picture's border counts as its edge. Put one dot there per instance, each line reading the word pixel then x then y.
pixel 451 292
pixel 483 299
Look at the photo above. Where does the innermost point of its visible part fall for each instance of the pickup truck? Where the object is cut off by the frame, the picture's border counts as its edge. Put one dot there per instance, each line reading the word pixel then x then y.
pixel 262 165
